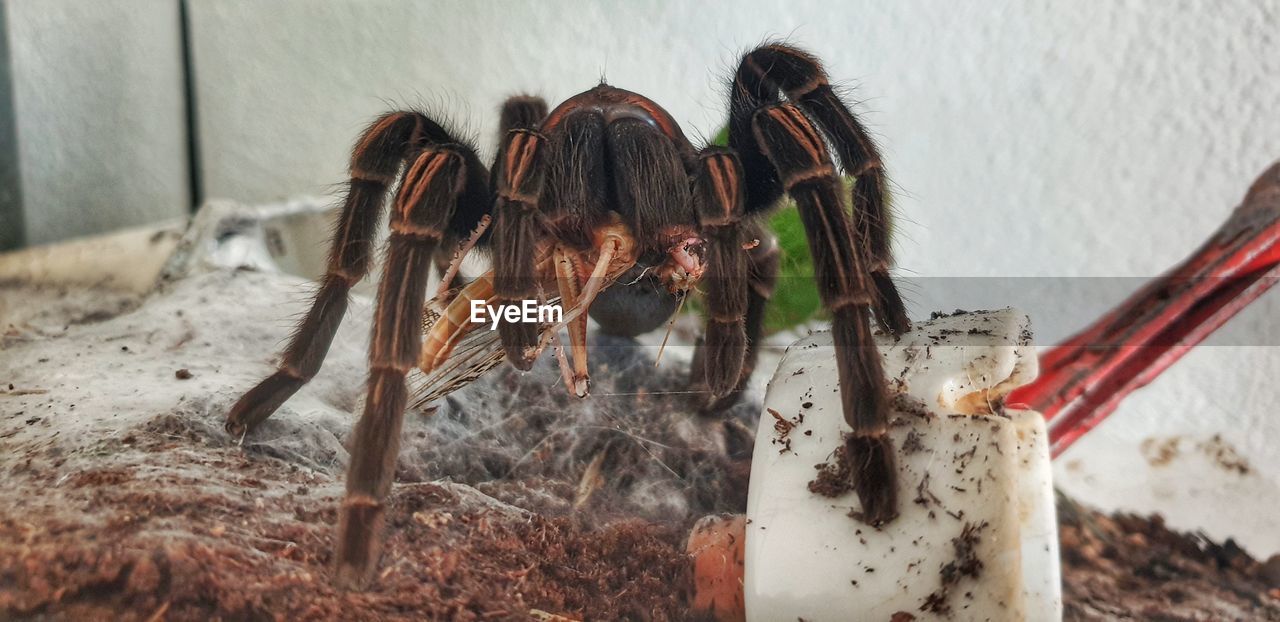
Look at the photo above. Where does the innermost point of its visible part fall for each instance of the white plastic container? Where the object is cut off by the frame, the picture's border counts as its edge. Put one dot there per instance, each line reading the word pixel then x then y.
pixel 977 536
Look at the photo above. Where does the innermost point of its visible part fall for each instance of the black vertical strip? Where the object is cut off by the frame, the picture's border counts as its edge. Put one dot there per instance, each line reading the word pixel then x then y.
pixel 13 232
pixel 195 181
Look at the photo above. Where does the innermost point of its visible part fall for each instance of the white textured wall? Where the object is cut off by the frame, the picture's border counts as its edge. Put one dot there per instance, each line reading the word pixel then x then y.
pixel 1066 139
pixel 97 89
pixel 1080 123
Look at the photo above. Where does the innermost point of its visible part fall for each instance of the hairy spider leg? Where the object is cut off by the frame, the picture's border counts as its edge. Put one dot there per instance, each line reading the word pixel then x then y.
pixel 772 68
pixel 517 230
pixel 422 212
pixel 718 200
pixel 375 163
pixel 783 147
pixel 796 149
pixel 521 112
pixel 763 262
pixel 517 112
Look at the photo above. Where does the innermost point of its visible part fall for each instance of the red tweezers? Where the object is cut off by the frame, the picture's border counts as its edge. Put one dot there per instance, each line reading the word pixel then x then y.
pixel 1083 379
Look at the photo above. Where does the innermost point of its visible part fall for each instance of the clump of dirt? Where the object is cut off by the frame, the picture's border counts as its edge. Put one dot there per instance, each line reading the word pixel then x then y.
pixel 1133 567
pixel 835 476
pixel 924 496
pixel 965 563
pixel 782 428
pixel 1222 454
pixel 914 443
pixel 1161 452
pixel 941 314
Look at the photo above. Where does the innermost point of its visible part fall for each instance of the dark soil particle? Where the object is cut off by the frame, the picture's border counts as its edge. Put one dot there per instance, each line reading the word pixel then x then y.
pixel 925 497
pixel 913 443
pixel 782 427
pixel 964 564
pixel 835 477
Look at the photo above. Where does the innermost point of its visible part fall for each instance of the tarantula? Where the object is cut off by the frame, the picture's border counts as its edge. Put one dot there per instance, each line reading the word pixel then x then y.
pixel 606 202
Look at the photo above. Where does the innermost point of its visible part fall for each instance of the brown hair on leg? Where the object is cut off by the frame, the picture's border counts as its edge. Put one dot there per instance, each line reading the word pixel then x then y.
pixel 796 148
pixel 422 211
pixel 717 199
pixel 374 164
pixel 521 172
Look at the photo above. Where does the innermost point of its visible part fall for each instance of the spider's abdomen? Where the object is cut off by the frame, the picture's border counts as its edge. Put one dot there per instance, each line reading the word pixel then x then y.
pixel 636 304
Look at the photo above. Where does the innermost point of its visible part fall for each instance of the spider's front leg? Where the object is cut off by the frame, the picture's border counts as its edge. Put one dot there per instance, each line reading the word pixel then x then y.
pixel 520 112
pixel 742 261
pixel 782 149
pixel 520 178
pixel 796 149
pixel 774 68
pixel 375 163
pixel 763 262
pixel 718 201
pixel 435 185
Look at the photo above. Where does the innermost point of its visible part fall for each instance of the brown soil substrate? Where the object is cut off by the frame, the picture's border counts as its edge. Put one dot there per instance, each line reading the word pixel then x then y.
pixel 1126 567
pixel 141 543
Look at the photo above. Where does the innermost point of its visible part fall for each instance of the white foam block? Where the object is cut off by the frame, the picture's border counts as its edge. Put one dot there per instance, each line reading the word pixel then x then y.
pixel 976 537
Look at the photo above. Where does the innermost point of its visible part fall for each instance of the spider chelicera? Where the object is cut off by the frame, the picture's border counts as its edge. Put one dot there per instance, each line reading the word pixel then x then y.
pixel 604 204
